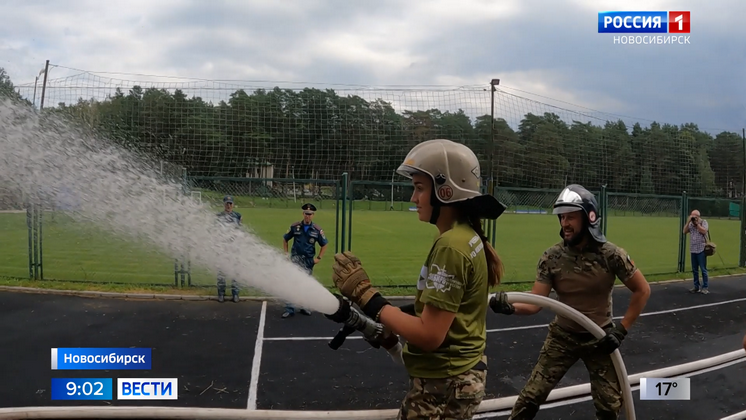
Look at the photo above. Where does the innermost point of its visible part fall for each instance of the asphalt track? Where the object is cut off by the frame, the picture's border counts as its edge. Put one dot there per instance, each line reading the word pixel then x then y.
pixel 210 347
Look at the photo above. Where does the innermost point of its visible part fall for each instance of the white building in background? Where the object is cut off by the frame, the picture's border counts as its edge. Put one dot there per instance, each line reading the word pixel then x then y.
pixel 261 170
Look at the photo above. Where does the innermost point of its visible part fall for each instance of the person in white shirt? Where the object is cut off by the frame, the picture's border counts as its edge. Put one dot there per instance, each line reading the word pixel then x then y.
pixel 697 227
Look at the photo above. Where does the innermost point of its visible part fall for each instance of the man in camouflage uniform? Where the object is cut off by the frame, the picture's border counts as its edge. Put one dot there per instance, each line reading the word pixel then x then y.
pixel 581 269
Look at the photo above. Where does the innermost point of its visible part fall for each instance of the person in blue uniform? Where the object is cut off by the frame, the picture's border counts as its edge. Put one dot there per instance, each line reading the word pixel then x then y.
pixel 229 217
pixel 305 235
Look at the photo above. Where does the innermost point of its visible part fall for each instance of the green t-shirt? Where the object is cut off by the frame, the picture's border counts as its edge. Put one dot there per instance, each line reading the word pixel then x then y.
pixel 454 278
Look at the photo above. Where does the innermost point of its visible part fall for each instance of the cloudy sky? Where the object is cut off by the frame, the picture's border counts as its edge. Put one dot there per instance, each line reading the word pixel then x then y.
pixel 535 47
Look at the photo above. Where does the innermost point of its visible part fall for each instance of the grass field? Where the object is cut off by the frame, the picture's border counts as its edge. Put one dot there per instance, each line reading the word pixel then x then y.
pixel 391 244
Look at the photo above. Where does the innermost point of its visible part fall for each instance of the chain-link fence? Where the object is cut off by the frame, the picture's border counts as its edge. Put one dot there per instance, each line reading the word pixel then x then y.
pixel 647 227
pixel 78 251
pixel 266 192
pixel 528 200
pixel 379 224
pixel 636 205
pixel 382 196
pixel 14 228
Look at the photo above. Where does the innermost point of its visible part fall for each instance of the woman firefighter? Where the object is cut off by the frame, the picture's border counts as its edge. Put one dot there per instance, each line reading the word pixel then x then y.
pixel 445 328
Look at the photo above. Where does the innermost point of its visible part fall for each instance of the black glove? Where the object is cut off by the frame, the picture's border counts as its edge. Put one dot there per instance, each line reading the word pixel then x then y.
pixel 499 304
pixel 612 340
pixel 387 340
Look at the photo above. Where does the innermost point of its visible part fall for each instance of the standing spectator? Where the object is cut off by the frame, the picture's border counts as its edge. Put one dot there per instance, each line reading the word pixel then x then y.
pixel 697 228
pixel 305 235
pixel 230 217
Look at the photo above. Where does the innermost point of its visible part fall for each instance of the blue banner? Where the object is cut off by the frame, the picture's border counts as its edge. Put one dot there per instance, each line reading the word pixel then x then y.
pixel 633 22
pixel 69 389
pixel 101 358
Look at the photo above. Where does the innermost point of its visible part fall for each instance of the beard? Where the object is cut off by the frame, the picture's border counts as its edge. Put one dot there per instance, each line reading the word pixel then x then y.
pixel 575 239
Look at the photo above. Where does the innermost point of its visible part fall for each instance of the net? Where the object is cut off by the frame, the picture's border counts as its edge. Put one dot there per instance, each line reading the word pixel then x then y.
pixel 256 130
pixel 276 146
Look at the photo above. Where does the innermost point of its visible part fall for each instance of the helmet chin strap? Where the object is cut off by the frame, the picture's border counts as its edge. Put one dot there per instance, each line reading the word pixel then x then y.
pixel 435 204
pixel 435 214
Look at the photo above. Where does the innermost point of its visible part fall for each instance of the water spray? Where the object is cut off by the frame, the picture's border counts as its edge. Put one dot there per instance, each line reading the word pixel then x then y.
pixel 121 192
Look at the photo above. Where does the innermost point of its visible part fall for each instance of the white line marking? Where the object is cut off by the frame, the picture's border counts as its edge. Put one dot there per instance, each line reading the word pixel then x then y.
pixel 687 308
pixel 575 400
pixel 255 365
pixel 527 327
pixel 354 337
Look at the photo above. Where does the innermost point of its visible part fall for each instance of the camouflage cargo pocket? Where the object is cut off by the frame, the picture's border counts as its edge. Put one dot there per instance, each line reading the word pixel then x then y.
pixel 470 385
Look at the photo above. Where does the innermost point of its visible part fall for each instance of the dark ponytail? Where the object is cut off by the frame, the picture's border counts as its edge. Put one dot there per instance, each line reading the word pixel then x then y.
pixel 495 268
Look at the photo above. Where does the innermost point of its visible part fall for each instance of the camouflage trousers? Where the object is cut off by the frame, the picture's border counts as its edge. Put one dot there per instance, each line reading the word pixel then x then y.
pixel 560 351
pixel 457 397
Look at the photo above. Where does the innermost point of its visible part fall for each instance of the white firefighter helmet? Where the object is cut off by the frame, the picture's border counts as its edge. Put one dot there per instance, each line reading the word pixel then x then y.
pixel 455 171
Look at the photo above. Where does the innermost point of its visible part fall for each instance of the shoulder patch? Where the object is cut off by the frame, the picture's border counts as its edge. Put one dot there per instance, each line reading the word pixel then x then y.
pixel 295 224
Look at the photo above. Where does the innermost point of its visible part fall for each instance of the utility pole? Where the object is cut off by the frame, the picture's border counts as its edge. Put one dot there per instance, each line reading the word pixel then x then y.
pixel 492 180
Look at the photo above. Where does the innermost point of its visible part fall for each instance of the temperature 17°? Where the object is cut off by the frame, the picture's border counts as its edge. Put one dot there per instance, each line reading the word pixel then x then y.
pixel 666 385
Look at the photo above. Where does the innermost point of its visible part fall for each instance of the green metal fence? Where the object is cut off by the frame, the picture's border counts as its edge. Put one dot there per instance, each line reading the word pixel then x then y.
pixel 647 227
pixel 376 220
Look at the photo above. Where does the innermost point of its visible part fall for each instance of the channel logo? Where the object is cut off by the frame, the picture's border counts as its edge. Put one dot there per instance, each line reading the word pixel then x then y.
pixel 147 389
pixel 659 22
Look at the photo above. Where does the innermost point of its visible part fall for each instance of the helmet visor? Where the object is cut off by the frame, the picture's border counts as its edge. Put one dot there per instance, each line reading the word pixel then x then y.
pixel 408 171
pixel 568 202
pixel 568 196
pixel 566 208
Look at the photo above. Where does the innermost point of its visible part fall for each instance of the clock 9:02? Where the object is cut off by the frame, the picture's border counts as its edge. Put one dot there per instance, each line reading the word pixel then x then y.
pixel 86 388
pixel 82 389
